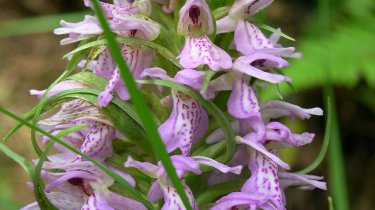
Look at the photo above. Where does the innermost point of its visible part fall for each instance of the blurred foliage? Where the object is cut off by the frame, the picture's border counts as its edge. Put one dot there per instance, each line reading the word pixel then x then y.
pixel 347 52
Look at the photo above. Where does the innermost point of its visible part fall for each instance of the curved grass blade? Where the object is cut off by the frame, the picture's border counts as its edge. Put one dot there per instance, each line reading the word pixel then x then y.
pixel 141 107
pixel 115 176
pixel 220 12
pixel 28 116
pixel 323 150
pixel 33 25
pixel 38 184
pixel 209 107
pixel 26 165
pixel 121 114
pixel 330 203
pixel 39 107
pixel 207 78
pixel 158 48
pixel 218 190
pixel 273 30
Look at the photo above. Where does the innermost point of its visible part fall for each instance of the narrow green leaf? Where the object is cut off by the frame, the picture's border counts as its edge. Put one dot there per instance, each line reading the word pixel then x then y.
pixel 220 12
pixel 215 191
pixel 337 175
pixel 28 116
pixel 269 28
pixel 141 106
pixel 127 40
pixel 207 78
pixel 88 78
pixel 327 136
pixel 26 165
pixel 212 151
pixel 330 203
pixel 115 176
pixel 33 25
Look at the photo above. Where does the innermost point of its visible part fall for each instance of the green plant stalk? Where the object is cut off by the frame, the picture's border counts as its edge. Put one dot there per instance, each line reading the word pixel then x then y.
pixel 335 157
pixel 26 165
pixel 337 178
pixel 27 26
pixel 141 107
pixel 327 136
pixel 115 176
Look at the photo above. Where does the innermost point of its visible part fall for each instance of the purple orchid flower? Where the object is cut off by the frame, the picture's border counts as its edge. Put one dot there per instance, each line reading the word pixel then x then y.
pixel 195 19
pixel 249 39
pixel 255 65
pixel 135 26
pixel 240 10
pixel 138 58
pixel 270 110
pixel 186 124
pixel 188 121
pixel 82 185
pixel 124 7
pixel 275 109
pixel 85 29
pixel 168 5
pixel 59 87
pixel 202 50
pixel 122 20
pixel 193 79
pixel 163 188
pixel 194 23
pixel 265 188
pixel 95 140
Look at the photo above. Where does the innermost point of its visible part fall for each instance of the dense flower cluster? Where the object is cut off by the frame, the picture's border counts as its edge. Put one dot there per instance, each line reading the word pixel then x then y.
pixel 72 182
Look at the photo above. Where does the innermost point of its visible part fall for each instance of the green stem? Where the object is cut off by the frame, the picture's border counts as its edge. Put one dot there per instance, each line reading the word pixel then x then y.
pixel 140 105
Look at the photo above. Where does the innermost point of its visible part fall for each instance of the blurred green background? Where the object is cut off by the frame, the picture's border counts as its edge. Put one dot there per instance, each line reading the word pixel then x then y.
pixel 336 37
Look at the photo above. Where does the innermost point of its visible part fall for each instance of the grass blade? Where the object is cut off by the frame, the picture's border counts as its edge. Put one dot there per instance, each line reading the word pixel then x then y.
pixel 127 40
pixel 26 165
pixel 35 25
pixel 141 107
pixel 327 136
pixel 337 176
